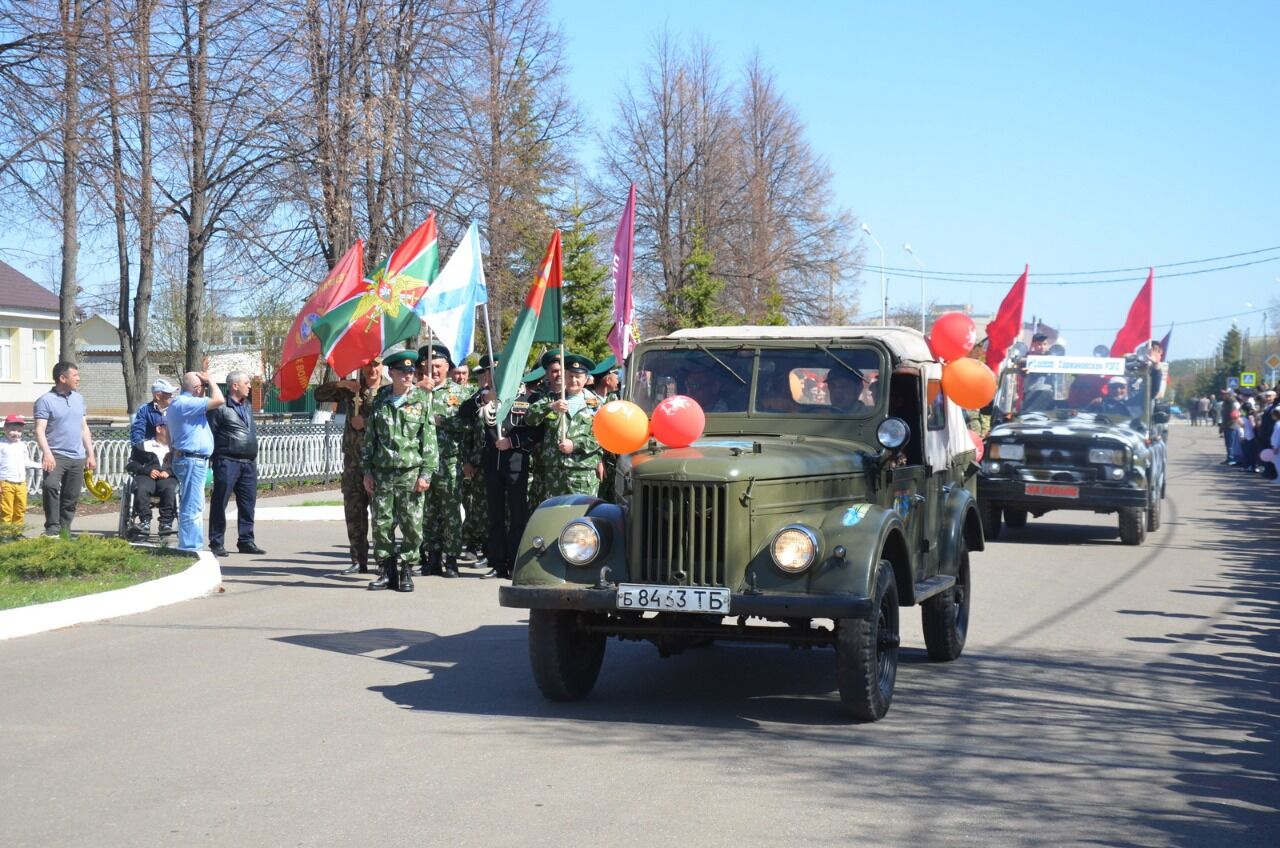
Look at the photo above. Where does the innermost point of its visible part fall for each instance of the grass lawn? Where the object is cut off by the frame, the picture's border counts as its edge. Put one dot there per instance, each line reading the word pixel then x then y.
pixel 322 503
pixel 43 569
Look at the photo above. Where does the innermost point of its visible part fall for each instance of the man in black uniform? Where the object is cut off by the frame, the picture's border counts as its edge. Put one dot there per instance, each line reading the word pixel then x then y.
pixel 504 463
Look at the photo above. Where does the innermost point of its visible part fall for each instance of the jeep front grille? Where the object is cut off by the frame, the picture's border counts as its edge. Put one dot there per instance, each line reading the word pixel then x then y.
pixel 681 533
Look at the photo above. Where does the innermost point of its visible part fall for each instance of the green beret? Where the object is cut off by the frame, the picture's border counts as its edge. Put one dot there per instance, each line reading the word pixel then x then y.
pixel 401 360
pixel 486 362
pixel 609 363
pixel 436 351
pixel 549 357
pixel 534 376
pixel 578 362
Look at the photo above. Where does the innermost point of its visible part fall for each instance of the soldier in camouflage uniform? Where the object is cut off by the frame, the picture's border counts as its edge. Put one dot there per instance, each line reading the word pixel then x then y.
pixel 535 386
pixel 441 519
pixel 475 524
pixel 355 403
pixel 575 464
pixel 399 459
pixel 605 387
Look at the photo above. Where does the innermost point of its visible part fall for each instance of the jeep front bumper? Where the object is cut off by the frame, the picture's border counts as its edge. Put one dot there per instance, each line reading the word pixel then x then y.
pixel 1091 497
pixel 762 605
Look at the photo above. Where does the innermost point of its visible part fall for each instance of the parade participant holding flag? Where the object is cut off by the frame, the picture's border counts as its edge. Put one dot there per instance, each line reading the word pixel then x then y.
pixel 575 465
pixel 441 520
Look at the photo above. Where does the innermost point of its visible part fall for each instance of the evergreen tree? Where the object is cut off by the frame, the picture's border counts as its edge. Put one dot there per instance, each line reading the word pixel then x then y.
pixel 587 307
pixel 697 303
pixel 1230 363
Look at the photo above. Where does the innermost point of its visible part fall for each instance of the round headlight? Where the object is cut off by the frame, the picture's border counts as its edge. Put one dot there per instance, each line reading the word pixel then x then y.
pixel 794 548
pixel 893 433
pixel 579 542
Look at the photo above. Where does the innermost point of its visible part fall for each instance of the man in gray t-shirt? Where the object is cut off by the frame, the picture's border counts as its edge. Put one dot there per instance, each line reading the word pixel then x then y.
pixel 66 447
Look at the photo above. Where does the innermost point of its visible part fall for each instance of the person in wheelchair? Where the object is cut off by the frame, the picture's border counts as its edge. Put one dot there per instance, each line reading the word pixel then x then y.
pixel 151 465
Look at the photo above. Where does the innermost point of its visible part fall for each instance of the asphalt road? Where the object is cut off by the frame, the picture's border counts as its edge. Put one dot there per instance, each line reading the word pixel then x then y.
pixel 1108 695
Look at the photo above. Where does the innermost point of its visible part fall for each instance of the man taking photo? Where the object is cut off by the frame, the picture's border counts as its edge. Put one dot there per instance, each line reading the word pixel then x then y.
pixel 192 443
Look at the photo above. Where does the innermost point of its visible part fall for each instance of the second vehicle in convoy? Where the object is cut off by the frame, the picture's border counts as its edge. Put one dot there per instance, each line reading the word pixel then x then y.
pixel 1076 433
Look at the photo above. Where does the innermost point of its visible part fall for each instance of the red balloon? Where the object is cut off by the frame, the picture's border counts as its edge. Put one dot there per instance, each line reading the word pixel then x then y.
pixel 678 421
pixel 977 445
pixel 953 336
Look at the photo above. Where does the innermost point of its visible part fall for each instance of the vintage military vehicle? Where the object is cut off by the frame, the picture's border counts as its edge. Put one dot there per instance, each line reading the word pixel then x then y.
pixel 1080 433
pixel 834 483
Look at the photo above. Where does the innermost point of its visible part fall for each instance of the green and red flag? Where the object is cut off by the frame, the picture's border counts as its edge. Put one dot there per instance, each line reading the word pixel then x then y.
pixel 550 327
pixel 301 348
pixel 529 323
pixel 380 313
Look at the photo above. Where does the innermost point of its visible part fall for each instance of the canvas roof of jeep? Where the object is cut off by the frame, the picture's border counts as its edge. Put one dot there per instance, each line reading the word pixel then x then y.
pixel 904 342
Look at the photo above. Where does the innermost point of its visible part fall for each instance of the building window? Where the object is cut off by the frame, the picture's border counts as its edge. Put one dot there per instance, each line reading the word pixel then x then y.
pixel 7 349
pixel 244 338
pixel 39 354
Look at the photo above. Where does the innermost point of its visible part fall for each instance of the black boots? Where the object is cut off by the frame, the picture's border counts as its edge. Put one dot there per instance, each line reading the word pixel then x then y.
pixel 450 566
pixel 388 579
pixel 430 564
pixel 405 581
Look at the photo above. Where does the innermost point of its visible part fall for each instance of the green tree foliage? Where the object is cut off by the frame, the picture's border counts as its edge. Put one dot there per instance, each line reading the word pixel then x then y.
pixel 697 303
pixel 1229 364
pixel 588 309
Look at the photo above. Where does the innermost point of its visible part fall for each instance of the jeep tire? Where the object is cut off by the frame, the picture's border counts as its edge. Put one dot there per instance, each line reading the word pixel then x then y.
pixel 1153 514
pixel 990 513
pixel 867 651
pixel 565 658
pixel 1015 518
pixel 945 616
pixel 1133 525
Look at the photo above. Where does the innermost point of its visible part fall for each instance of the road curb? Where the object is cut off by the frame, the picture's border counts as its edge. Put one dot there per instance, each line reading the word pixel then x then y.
pixel 202 578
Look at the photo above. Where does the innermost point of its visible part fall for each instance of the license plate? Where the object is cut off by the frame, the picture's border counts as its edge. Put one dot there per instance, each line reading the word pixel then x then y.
pixel 633 596
pixel 1051 490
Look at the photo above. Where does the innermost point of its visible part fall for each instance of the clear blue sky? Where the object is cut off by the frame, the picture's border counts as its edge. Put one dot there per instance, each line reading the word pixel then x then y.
pixel 1073 137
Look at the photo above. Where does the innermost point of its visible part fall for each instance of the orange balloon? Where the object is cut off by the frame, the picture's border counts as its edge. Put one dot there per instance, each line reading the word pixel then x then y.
pixel 969 383
pixel 621 427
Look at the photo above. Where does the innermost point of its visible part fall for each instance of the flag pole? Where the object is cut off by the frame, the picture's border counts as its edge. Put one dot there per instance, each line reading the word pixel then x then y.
pixel 493 366
pixel 563 428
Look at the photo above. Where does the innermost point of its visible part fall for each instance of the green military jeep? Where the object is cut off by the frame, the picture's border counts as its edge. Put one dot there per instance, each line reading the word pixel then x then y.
pixel 833 484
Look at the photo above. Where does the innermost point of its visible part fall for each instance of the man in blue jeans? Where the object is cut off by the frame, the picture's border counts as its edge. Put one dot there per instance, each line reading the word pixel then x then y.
pixel 235 454
pixel 192 443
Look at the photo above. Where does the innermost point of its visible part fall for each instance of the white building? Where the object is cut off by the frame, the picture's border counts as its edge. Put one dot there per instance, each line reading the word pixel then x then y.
pixel 29 340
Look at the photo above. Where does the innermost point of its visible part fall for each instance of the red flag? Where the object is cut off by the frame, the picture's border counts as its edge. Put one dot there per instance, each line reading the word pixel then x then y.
pixel 301 348
pixel 1137 327
pixel 1007 325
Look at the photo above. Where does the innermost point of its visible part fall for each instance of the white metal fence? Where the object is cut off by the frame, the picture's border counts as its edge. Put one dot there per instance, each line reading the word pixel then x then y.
pixel 286 452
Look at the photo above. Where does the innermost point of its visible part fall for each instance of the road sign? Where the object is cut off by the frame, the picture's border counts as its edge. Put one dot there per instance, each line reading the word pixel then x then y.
pixel 1248 379
pixel 1233 382
pixel 1273 361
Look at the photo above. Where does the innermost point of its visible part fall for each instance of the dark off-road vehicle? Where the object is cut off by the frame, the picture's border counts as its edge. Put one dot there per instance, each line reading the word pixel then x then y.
pixel 834 483
pixel 1079 433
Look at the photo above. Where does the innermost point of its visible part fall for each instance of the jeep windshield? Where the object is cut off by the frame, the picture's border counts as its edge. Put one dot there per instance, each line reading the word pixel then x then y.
pixel 819 380
pixel 1065 387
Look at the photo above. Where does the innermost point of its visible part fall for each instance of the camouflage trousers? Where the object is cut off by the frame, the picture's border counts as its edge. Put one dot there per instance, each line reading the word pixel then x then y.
pixel 475 527
pixel 571 481
pixel 396 504
pixel 355 503
pixel 441 521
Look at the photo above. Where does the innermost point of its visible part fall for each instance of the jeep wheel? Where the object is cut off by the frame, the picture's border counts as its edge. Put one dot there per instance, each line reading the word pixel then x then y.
pixel 1153 515
pixel 565 658
pixel 990 513
pixel 1015 518
pixel 1133 525
pixel 946 616
pixel 867 652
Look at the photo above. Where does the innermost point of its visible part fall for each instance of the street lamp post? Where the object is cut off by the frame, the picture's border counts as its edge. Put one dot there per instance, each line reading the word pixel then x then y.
pixel 907 248
pixel 884 294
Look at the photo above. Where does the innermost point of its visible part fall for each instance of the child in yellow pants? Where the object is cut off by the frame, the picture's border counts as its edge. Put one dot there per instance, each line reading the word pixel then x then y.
pixel 13 472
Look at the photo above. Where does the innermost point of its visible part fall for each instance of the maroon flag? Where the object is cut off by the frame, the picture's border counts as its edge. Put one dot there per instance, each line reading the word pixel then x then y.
pixel 1005 327
pixel 1137 327
pixel 620 337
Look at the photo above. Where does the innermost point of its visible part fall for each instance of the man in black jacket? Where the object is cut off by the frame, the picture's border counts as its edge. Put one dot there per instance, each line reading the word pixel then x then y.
pixel 504 462
pixel 235 454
